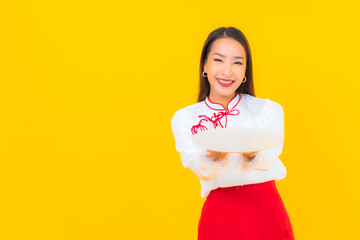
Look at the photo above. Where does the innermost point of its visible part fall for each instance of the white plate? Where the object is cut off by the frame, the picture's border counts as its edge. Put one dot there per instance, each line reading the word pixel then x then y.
pixel 236 139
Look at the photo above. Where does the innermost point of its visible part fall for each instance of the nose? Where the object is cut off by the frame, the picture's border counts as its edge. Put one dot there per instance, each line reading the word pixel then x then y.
pixel 227 69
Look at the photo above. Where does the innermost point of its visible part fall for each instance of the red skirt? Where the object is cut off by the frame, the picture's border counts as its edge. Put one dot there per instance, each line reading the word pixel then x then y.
pixel 249 212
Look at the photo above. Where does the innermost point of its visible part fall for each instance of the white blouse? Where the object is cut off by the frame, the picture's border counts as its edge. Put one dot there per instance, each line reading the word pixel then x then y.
pixel 244 110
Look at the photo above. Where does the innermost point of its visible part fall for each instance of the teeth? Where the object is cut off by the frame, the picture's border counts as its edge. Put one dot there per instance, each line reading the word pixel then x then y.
pixel 226 82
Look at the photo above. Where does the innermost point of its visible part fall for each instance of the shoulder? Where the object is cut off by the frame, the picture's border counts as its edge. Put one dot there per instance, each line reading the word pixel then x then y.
pixel 261 104
pixel 187 113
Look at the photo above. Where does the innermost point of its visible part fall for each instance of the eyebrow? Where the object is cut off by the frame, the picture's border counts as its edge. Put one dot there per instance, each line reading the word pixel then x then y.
pixel 221 55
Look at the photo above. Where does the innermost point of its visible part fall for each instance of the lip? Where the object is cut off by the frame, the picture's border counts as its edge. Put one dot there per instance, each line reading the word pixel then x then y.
pixel 225 84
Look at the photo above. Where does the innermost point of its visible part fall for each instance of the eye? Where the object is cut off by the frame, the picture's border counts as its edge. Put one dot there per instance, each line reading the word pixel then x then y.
pixel 219 60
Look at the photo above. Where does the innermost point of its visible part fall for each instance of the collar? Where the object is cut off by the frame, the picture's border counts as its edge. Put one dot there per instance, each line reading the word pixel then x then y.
pixel 219 107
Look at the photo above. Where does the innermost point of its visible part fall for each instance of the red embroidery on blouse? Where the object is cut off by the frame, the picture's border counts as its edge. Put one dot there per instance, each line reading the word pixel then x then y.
pixel 195 128
pixel 208 99
pixel 215 120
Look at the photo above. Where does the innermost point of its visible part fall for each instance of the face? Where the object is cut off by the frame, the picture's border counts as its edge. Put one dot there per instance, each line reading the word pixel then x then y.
pixel 225 67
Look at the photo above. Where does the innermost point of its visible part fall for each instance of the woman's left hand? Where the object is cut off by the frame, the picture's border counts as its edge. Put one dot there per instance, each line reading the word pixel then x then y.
pixel 249 156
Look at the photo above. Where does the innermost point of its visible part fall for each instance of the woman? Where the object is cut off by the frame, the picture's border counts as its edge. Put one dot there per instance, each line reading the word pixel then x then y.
pixel 242 201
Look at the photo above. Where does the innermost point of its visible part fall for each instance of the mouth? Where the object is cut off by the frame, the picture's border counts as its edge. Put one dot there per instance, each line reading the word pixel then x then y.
pixel 225 82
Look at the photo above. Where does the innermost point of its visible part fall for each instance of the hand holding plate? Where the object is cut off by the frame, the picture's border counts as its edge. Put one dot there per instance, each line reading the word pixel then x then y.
pixel 216 156
pixel 249 155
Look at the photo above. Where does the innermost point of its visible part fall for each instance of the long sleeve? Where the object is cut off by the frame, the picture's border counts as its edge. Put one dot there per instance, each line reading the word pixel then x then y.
pixel 192 156
pixel 273 120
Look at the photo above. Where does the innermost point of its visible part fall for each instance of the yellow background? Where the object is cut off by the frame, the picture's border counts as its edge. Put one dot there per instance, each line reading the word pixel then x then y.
pixel 88 89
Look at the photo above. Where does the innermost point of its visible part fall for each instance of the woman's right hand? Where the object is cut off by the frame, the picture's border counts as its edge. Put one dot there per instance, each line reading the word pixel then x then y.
pixel 216 156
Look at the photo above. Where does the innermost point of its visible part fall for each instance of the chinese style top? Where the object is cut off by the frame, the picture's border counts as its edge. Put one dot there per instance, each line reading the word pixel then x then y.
pixel 244 110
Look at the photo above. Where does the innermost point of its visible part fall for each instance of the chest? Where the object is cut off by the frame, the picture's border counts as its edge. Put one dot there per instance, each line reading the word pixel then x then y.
pixel 239 117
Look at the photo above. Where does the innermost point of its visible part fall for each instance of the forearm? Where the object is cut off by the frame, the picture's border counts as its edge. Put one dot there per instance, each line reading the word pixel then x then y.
pixel 201 164
pixel 265 159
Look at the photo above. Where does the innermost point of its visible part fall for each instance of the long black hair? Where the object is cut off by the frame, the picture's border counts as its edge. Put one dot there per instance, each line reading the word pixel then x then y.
pixel 236 34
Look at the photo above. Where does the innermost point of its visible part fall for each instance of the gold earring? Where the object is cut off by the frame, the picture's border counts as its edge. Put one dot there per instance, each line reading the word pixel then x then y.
pixel 244 80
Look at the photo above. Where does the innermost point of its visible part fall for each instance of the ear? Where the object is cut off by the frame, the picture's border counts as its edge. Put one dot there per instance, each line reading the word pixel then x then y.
pixel 205 67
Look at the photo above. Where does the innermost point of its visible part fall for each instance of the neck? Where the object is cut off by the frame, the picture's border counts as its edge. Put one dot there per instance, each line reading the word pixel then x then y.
pixel 223 100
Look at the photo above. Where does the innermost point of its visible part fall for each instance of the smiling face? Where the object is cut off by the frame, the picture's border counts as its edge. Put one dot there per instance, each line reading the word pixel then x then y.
pixel 225 67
